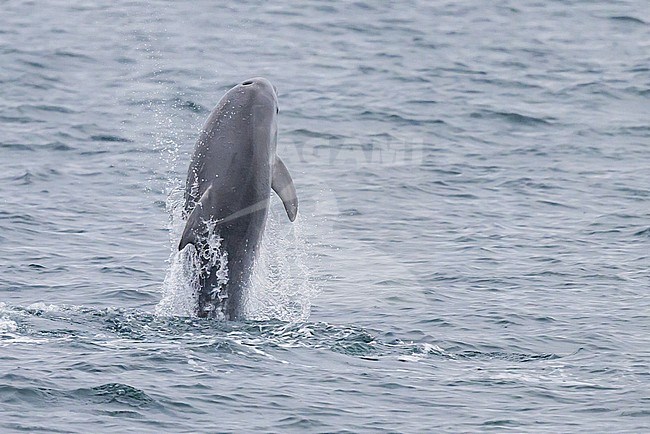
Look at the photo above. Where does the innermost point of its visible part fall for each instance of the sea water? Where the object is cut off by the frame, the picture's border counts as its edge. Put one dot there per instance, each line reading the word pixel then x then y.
pixel 471 251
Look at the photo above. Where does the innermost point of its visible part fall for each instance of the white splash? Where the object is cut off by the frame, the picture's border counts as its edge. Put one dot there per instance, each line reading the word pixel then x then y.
pixel 43 307
pixel 280 287
pixel 213 256
pixel 180 287
pixel 7 325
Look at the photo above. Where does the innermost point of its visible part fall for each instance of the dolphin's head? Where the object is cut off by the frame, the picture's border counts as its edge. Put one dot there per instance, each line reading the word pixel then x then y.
pixel 260 97
pixel 260 85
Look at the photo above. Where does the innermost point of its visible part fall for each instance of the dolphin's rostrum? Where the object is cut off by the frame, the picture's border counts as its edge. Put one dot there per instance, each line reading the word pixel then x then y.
pixel 233 169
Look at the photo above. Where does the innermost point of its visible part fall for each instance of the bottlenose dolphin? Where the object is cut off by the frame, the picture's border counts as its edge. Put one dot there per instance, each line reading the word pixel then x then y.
pixel 229 182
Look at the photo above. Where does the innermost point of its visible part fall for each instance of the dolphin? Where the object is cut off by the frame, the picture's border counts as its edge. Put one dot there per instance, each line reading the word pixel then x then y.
pixel 227 193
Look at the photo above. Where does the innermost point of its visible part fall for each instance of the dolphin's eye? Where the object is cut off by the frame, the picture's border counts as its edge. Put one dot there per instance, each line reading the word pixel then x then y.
pixel 277 110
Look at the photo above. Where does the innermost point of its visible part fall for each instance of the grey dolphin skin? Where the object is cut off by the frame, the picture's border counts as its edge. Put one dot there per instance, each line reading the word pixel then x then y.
pixel 233 169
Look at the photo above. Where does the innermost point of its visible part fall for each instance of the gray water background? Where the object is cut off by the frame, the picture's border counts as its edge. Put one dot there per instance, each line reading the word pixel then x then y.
pixel 474 225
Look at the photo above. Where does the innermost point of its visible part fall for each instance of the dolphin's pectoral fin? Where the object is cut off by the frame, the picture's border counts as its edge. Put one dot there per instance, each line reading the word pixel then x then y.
pixel 196 221
pixel 282 184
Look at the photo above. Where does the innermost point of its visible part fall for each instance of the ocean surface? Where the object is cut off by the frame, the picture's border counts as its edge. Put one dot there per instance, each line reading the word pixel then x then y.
pixel 472 251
